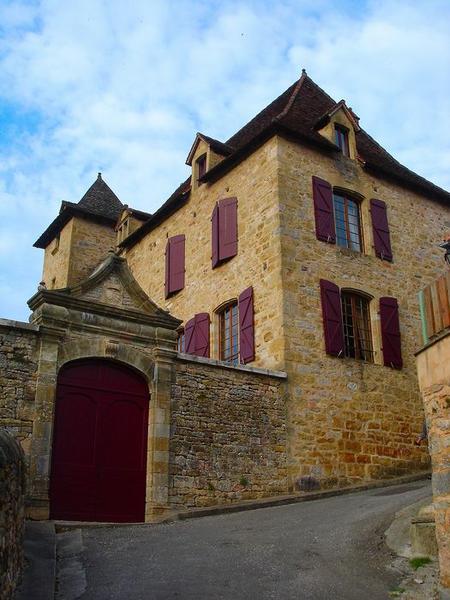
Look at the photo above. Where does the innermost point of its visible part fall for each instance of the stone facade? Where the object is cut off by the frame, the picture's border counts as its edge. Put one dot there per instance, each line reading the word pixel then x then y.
pixel 433 364
pixel 81 246
pixel 12 493
pixel 352 420
pixel 228 434
pixel 349 420
pixel 258 262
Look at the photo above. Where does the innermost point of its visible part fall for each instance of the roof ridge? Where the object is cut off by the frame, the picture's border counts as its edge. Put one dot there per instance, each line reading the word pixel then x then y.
pixel 291 100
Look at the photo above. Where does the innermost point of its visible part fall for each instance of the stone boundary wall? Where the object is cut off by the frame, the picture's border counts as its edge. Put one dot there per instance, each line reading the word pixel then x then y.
pixel 228 434
pixel 18 372
pixel 12 490
pixel 433 366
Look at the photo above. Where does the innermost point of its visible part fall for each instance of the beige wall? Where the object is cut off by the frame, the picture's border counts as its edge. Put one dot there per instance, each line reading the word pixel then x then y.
pixel 82 246
pixel 433 365
pixel 349 419
pixel 258 262
pixel 57 257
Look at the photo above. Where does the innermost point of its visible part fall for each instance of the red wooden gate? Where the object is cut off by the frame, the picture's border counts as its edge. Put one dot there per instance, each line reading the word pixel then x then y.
pixel 99 443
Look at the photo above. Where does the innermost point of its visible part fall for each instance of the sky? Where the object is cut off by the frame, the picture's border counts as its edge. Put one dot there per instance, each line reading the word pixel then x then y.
pixel 122 88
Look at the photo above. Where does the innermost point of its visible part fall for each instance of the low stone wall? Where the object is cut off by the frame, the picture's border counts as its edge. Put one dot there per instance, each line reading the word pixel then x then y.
pixel 18 371
pixel 437 402
pixel 12 489
pixel 228 434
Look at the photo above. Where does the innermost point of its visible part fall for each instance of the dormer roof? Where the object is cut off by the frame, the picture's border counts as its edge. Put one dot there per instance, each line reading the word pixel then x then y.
pixel 99 204
pixel 351 116
pixel 216 146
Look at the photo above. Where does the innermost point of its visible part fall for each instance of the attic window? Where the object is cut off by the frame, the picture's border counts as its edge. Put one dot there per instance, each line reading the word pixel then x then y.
pixel 201 166
pixel 341 139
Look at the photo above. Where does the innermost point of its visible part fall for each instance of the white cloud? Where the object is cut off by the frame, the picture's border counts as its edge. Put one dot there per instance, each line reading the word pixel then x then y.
pixel 123 89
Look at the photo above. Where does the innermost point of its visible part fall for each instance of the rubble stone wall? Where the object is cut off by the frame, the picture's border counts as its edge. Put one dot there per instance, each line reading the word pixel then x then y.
pixel 12 488
pixel 228 434
pixel 18 372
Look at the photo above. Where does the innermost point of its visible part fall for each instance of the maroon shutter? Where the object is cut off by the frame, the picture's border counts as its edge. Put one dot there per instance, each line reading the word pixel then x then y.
pixel 332 318
pixel 176 277
pixel 381 236
pixel 323 210
pixel 246 326
pixel 228 236
pixel 390 333
pixel 202 334
pixel 215 237
pixel 167 272
pixel 189 339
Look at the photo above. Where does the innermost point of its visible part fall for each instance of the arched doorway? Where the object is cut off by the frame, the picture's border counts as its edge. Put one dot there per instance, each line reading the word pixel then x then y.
pixel 99 443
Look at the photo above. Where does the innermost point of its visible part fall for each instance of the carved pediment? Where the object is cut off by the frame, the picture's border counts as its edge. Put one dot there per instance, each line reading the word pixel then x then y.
pixel 111 289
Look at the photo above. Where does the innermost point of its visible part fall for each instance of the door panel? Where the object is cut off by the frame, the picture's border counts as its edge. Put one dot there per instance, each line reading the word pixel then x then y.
pixel 99 444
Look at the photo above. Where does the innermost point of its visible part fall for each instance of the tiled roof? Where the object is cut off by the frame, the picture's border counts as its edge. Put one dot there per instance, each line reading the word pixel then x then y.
pixel 101 200
pixel 295 113
pixel 99 204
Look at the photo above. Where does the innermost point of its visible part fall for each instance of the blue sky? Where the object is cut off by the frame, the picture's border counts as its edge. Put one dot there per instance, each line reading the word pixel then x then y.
pixel 119 87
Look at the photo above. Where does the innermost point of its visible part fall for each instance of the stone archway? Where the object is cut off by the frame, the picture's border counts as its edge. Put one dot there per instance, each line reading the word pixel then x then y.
pixel 99 453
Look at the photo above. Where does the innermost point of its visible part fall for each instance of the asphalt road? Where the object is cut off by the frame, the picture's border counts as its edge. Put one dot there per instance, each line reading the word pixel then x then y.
pixel 329 549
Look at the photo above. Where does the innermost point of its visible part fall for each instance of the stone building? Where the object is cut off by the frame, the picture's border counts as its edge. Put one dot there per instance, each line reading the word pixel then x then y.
pixel 254 336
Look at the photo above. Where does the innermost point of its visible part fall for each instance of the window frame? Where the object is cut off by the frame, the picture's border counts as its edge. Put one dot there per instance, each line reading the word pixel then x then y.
pixel 232 358
pixel 353 297
pixel 341 139
pixel 181 341
pixel 347 198
pixel 200 165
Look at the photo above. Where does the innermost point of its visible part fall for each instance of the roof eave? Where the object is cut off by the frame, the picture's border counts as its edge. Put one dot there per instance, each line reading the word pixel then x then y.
pixel 63 218
pixel 158 217
pixel 426 188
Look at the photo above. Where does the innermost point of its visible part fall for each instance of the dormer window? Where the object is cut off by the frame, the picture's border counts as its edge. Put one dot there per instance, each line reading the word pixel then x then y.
pixel 341 139
pixel 201 167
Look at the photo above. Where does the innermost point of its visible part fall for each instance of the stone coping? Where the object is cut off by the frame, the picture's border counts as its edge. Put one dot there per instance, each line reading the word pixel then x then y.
pixel 441 335
pixel 18 325
pixel 211 362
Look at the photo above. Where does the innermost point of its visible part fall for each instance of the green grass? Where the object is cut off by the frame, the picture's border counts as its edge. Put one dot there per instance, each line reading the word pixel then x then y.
pixel 419 561
pixel 396 592
pixel 244 481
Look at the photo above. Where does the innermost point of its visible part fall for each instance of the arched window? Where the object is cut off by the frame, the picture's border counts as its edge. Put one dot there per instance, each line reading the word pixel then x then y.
pixel 356 320
pixel 348 222
pixel 229 333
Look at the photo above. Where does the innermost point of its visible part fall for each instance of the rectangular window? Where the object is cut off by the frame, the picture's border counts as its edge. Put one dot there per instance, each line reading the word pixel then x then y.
pixel 348 224
pixel 201 166
pixel 228 334
pixel 341 139
pixel 181 342
pixel 357 334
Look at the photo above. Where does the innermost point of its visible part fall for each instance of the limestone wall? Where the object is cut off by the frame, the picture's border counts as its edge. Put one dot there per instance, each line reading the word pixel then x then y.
pixel 81 246
pixel 12 489
pixel 257 264
pixel 228 435
pixel 18 366
pixel 351 420
pixel 433 365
